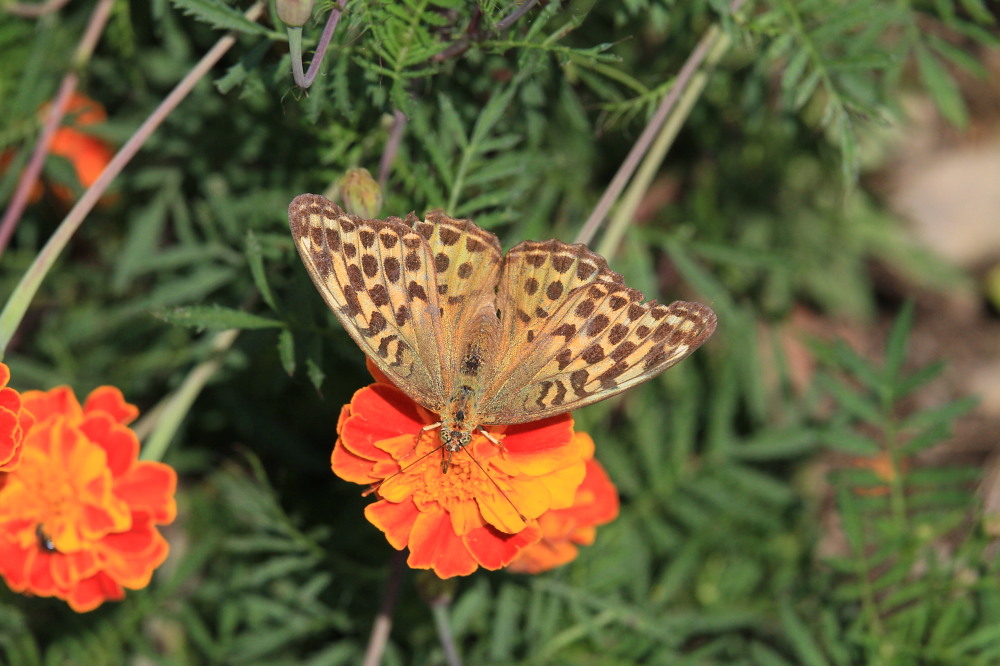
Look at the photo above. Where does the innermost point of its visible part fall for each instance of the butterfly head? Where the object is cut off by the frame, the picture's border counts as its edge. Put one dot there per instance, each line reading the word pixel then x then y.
pixel 455 436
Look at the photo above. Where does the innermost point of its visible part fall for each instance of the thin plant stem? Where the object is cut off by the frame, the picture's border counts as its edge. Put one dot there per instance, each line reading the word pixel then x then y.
pixel 166 417
pixel 475 34
pixel 383 622
pixel 17 305
pixel 33 11
pixel 510 19
pixel 295 51
pixel 439 609
pixel 324 42
pixel 719 43
pixel 391 147
pixel 88 42
pixel 645 140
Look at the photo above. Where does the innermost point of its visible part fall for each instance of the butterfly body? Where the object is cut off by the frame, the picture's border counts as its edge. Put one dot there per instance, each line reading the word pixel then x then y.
pixel 481 338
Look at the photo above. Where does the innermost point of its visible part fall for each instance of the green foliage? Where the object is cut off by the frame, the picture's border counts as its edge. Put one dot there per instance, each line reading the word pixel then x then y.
pixel 519 125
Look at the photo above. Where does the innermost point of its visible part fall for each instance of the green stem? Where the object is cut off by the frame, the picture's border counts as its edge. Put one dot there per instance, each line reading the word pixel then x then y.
pixel 166 418
pixel 25 290
pixel 95 27
pixel 717 43
pixel 645 140
pixel 897 489
pixel 443 623
pixel 383 622
pixel 295 51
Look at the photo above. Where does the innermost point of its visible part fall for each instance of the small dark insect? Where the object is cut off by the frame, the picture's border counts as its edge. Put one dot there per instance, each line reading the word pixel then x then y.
pixel 44 541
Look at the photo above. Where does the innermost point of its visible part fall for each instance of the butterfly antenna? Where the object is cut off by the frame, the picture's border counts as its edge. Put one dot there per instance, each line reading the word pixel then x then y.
pixel 493 481
pixel 375 486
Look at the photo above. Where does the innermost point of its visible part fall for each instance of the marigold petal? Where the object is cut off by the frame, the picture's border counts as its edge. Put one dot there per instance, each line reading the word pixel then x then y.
pixel 58 401
pixel 120 444
pixel 4 375
pixel 597 499
pixel 562 484
pixel 345 411
pixel 109 399
pixel 90 593
pixel 434 545
pixel 539 447
pixel 466 516
pixel 349 466
pixel 543 556
pixel 14 564
pixel 498 512
pixel 11 437
pixel 394 519
pixel 494 549
pixel 150 486
pixel 130 557
pixel 378 412
pixel 10 399
pixel 595 503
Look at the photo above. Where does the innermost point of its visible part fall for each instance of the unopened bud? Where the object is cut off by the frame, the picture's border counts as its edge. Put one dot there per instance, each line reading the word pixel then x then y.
pixel 294 13
pixel 360 193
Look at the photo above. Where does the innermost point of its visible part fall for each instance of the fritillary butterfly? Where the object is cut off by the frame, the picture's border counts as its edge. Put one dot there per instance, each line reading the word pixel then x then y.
pixel 481 338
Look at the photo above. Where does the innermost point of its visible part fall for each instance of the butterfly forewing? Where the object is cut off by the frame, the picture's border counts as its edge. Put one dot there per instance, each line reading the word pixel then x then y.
pixel 379 279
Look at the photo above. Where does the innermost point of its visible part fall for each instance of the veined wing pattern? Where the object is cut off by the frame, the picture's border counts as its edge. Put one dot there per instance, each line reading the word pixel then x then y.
pixel 481 338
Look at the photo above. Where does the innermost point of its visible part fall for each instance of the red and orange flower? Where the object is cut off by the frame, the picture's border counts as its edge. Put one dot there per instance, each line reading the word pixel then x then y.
pixel 88 154
pixel 15 422
pixel 596 503
pixel 78 516
pixel 487 508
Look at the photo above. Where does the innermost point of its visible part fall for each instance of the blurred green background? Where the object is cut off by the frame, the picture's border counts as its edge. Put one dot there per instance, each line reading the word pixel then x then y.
pixel 811 487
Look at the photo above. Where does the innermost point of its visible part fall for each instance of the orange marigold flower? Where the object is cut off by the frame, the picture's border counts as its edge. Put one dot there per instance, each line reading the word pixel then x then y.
pixel 471 516
pixel 15 422
pixel 78 517
pixel 88 154
pixel 596 503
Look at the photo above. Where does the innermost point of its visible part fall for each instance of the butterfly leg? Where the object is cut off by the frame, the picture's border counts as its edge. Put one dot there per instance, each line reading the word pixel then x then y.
pixel 430 427
pixel 490 437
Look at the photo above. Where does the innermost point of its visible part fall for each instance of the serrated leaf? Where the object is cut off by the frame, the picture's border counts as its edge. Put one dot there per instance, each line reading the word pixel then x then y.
pixel 220 16
pixel 215 317
pixel 238 73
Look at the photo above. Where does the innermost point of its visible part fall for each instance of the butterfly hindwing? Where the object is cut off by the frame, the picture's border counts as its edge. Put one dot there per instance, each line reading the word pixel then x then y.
pixel 599 338
pixel 612 352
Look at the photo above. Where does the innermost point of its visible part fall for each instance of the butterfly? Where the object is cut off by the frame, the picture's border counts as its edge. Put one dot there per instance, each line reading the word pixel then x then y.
pixel 481 338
